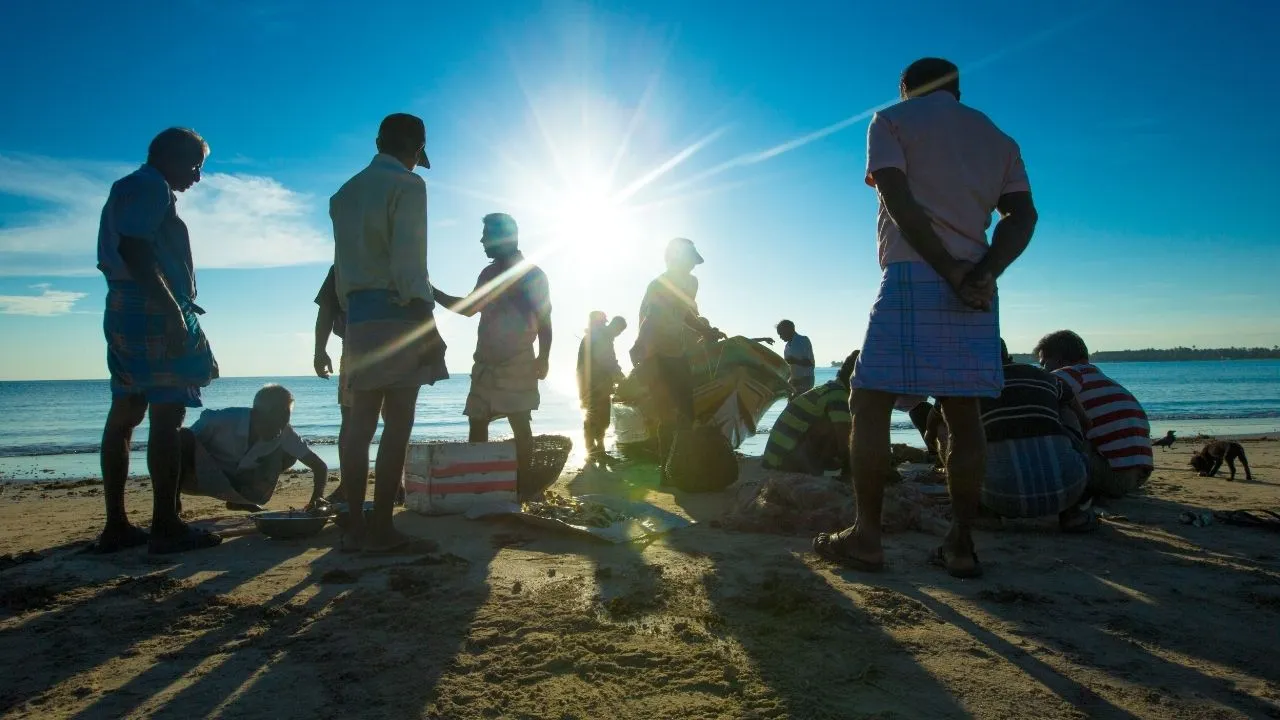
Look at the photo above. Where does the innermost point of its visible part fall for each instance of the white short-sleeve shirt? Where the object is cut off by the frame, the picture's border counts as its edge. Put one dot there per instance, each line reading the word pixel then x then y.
pixel 957 163
pixel 224 434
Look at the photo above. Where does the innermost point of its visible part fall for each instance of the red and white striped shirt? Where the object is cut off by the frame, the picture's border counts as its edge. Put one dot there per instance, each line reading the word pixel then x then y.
pixel 1120 430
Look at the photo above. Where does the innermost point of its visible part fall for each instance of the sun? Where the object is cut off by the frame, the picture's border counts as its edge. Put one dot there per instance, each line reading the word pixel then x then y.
pixel 588 217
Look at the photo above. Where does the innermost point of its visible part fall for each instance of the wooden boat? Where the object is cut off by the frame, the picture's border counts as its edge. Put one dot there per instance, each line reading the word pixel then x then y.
pixel 736 381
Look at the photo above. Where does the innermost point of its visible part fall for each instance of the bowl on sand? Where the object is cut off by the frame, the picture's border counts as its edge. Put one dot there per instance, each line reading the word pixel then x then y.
pixel 290 524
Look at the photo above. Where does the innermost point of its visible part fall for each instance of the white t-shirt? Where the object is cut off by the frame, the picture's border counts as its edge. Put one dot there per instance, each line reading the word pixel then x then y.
pixel 224 434
pixel 799 348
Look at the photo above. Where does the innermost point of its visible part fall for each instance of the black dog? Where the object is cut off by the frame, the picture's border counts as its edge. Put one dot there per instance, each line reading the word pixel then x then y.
pixel 1210 458
pixel 1165 442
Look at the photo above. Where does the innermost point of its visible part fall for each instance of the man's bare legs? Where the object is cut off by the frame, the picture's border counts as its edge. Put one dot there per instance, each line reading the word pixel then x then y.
pixel 126 413
pixel 398 409
pixel 522 429
pixel 966 465
pixel 362 423
pixel 164 461
pixel 869 463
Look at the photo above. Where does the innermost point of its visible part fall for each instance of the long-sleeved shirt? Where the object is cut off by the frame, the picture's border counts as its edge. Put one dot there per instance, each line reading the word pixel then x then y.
pixel 380 232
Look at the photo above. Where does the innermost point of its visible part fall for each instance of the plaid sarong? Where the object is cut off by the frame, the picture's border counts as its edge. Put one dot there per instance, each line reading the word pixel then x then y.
pixel 137 349
pixel 388 345
pixel 922 340
pixel 1033 477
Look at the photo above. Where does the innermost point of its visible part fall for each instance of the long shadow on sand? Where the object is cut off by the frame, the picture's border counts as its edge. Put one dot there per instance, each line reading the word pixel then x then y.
pixel 815 652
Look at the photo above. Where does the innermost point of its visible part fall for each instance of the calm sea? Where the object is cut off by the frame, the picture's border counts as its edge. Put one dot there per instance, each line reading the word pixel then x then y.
pixel 52 429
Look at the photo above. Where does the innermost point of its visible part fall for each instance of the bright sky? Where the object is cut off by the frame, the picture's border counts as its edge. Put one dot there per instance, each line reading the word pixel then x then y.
pixel 606 129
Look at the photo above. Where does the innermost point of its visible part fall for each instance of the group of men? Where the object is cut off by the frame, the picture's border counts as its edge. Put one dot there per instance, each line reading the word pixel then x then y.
pixel 377 297
pixel 939 167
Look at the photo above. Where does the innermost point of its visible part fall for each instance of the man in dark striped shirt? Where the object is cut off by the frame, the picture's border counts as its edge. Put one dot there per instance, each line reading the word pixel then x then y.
pixel 811 435
pixel 1034 465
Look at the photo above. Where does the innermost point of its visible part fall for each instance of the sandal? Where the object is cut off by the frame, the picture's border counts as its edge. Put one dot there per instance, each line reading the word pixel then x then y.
pixel 939 558
pixel 401 544
pixel 1078 522
pixel 832 548
pixel 191 538
pixel 130 537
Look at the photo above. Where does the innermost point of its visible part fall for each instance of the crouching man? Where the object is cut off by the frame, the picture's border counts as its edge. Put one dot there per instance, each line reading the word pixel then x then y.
pixel 238 454
pixel 811 435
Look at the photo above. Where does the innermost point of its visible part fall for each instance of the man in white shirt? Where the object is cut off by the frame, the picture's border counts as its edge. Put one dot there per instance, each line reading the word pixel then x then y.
pixel 391 347
pixel 237 454
pixel 798 352
pixel 941 169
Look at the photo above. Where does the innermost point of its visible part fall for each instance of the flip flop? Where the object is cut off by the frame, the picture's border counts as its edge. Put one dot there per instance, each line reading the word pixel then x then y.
pixel 939 558
pixel 192 538
pixel 1081 522
pixel 403 545
pixel 830 547
pixel 131 538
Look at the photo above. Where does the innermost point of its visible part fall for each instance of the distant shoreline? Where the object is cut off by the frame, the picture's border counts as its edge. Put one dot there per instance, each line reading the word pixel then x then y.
pixel 1120 356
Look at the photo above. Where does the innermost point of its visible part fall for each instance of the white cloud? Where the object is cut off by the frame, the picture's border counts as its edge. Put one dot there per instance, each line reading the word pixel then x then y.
pixel 236 220
pixel 48 302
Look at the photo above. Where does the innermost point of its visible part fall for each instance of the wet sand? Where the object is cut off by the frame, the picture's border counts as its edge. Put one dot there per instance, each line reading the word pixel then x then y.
pixel 1147 617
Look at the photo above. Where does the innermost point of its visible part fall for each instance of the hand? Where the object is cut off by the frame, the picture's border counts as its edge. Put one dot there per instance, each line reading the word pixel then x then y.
pixel 540 367
pixel 322 364
pixel 978 289
pixel 974 289
pixel 175 333
pixel 767 341
pixel 714 334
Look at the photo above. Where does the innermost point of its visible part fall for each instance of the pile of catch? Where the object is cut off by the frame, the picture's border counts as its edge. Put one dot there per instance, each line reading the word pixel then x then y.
pixel 573 511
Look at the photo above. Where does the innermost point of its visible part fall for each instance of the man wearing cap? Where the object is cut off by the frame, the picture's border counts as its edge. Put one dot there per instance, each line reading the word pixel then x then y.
pixel 669 328
pixel 513 298
pixel 940 169
pixel 391 347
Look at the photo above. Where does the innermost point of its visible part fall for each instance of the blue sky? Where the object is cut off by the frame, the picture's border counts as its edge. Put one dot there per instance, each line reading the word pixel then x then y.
pixel 607 128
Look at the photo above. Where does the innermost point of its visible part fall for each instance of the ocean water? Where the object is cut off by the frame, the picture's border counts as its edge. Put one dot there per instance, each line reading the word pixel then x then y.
pixel 52 429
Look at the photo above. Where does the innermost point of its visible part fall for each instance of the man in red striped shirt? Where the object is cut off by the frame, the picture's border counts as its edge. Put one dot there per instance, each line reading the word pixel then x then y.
pixel 1119 431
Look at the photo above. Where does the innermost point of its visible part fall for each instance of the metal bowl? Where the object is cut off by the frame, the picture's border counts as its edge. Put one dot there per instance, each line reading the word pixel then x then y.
pixel 289 524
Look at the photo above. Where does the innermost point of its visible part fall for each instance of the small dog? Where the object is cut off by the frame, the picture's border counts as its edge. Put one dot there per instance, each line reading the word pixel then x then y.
pixel 1165 442
pixel 1210 458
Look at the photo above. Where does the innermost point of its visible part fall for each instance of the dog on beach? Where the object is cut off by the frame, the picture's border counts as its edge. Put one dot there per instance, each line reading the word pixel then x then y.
pixel 1210 458
pixel 1165 442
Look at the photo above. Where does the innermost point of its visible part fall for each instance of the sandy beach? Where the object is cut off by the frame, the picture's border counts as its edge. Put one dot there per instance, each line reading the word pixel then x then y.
pixel 1148 617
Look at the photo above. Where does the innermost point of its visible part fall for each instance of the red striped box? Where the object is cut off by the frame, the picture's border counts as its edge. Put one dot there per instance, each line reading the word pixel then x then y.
pixel 451 478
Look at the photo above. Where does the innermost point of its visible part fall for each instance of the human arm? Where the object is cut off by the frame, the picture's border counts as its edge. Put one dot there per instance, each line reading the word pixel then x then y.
pixel 326 309
pixel 917 230
pixel 145 271
pixel 766 340
pixel 294 446
pixel 319 477
pixel 1012 234
pixel 538 293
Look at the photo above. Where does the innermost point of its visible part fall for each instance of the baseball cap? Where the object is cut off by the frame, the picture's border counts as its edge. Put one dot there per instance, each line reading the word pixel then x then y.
pixel 406 130
pixel 683 247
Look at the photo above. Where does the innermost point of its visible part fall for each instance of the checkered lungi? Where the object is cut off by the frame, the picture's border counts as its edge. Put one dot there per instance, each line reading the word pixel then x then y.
pixel 388 345
pixel 1033 477
pixel 502 389
pixel 922 340
pixel 138 350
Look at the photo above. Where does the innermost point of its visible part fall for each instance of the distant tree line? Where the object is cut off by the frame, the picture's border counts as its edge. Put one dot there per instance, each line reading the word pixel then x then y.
pixel 1177 354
